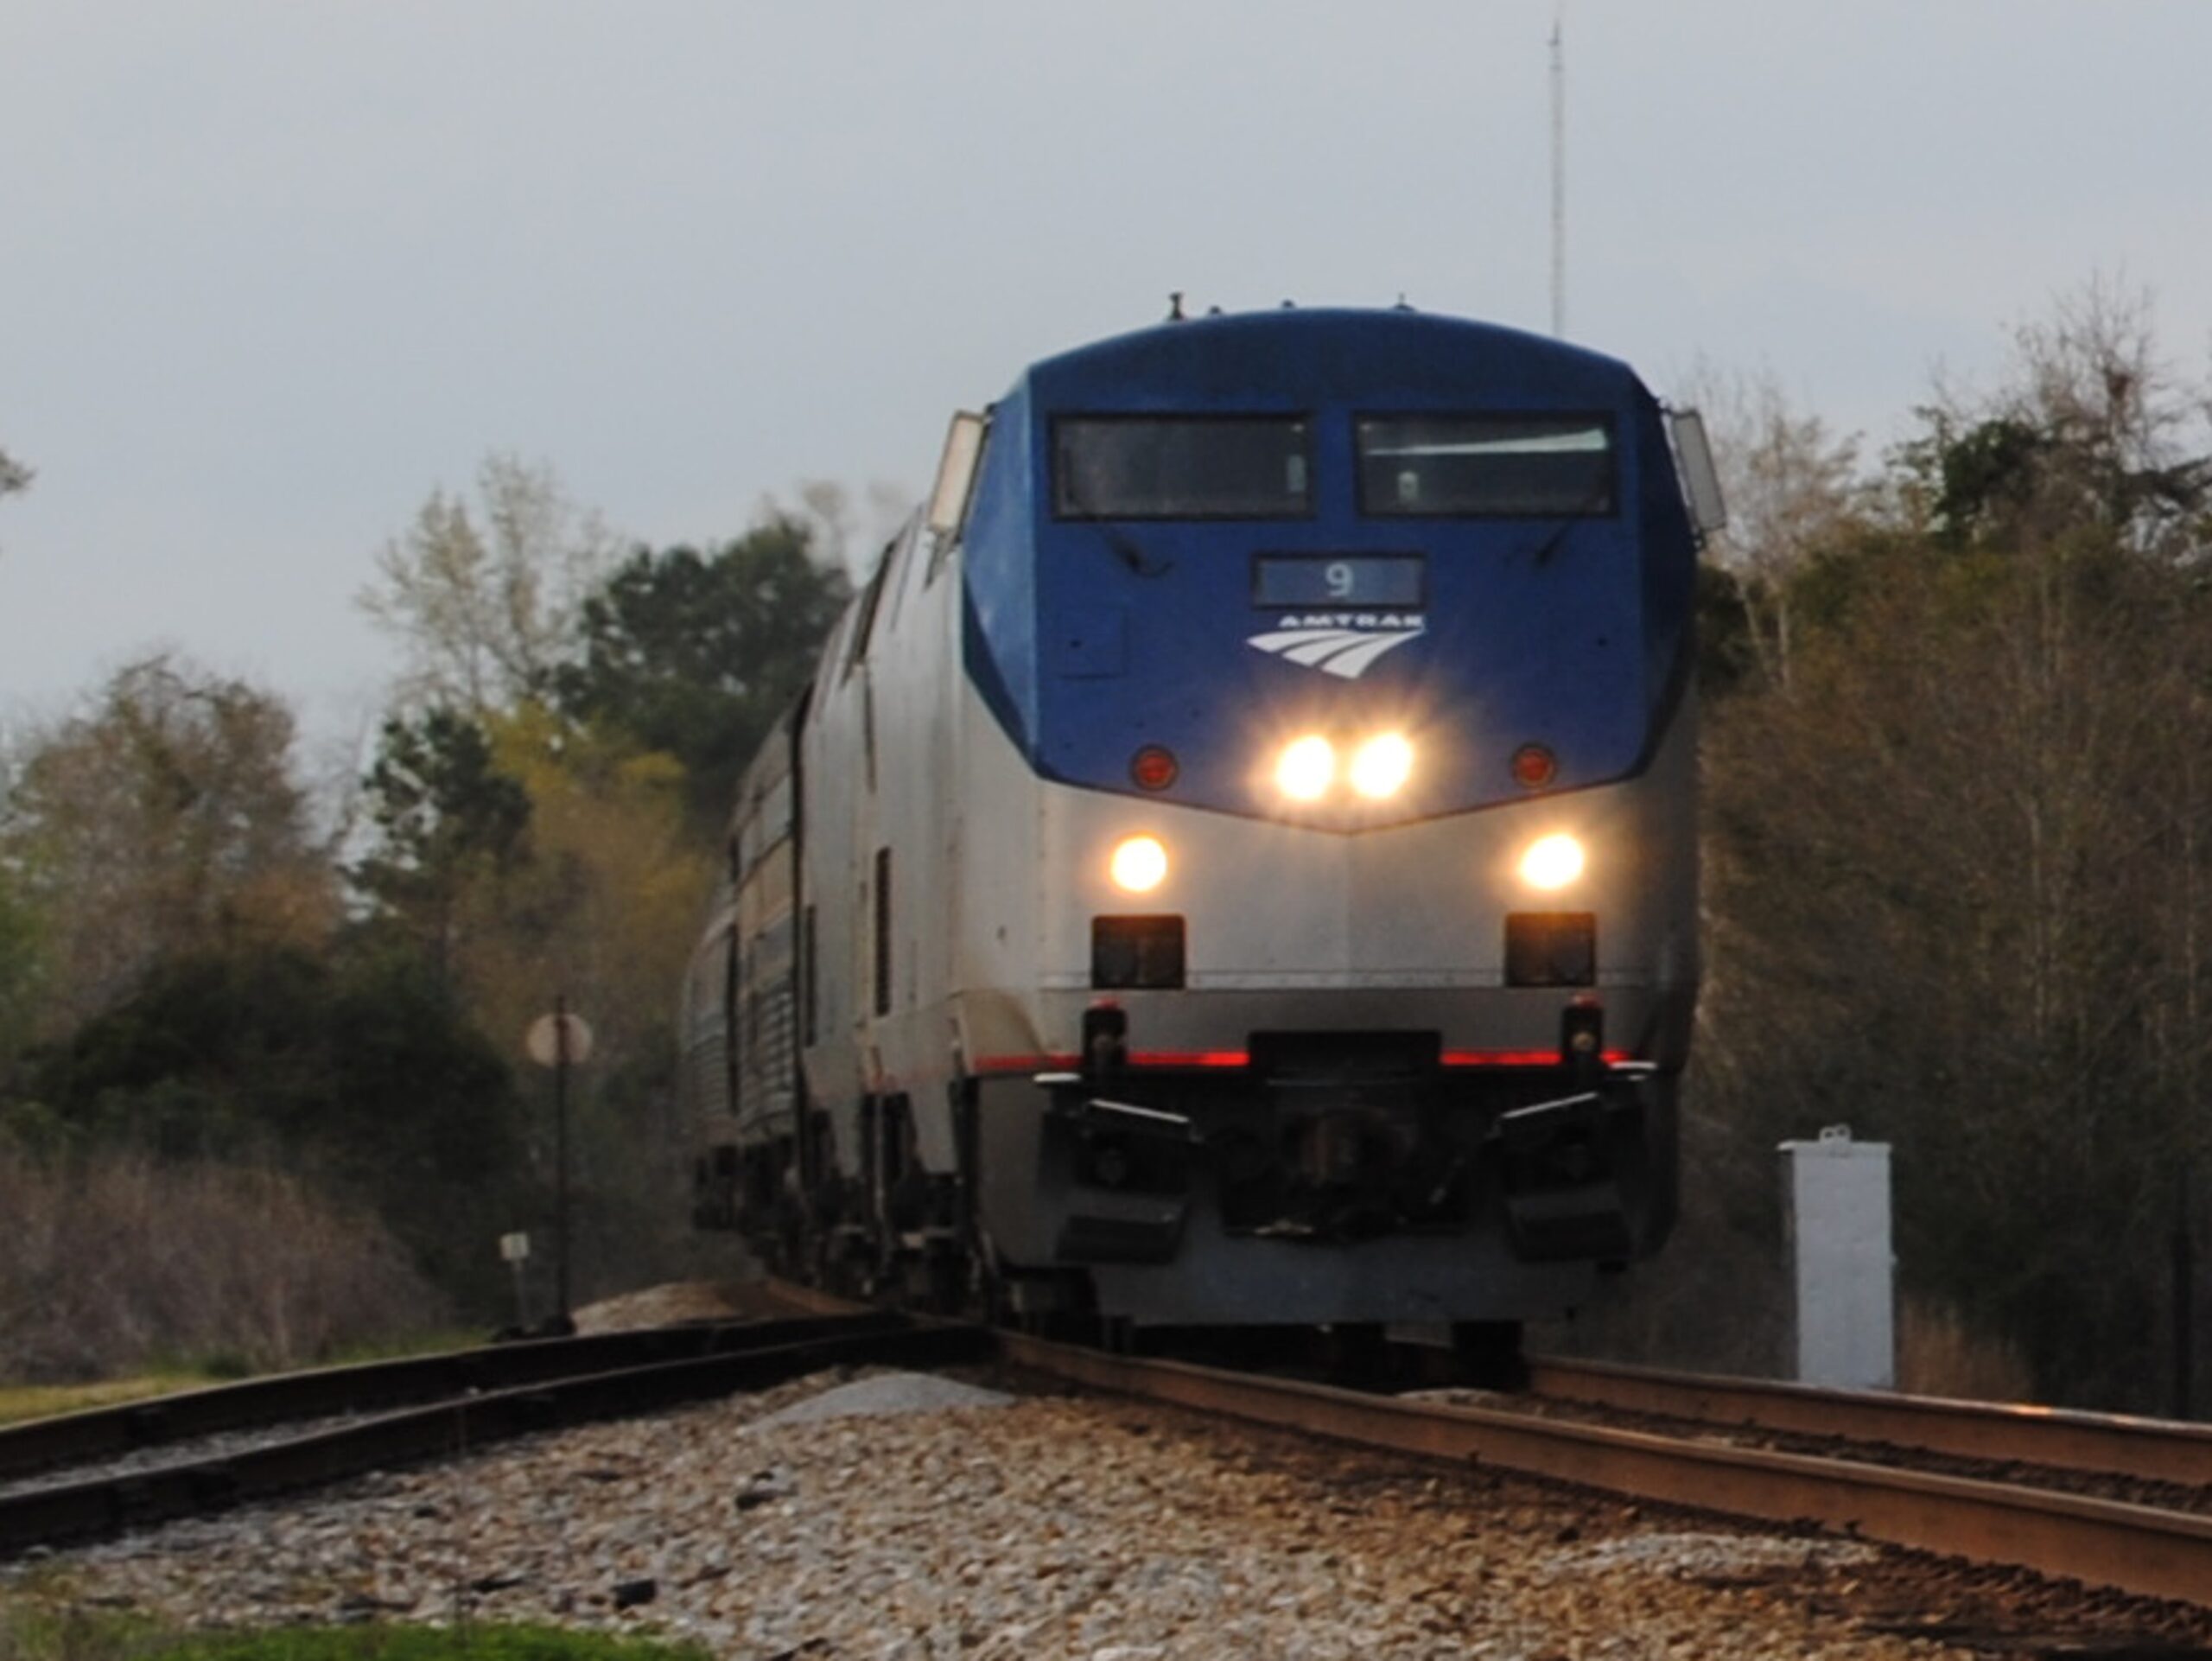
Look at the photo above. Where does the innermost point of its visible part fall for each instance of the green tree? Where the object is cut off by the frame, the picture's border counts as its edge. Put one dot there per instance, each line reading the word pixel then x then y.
pixel 166 815
pixel 529 858
pixel 447 821
pixel 359 1070
pixel 604 911
pixel 543 809
pixel 697 654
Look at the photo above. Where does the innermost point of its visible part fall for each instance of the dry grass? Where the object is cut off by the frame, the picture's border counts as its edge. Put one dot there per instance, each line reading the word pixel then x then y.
pixel 42 1401
pixel 1940 1355
pixel 119 1263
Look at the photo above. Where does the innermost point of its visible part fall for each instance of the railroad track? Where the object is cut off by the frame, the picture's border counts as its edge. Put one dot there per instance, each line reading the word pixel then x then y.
pixel 159 1466
pixel 1864 1483
pixel 1687 1447
pixel 2156 1452
pixel 2153 1550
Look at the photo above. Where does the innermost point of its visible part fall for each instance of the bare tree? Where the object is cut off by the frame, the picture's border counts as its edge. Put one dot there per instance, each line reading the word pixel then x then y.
pixel 484 596
pixel 1793 486
pixel 1958 892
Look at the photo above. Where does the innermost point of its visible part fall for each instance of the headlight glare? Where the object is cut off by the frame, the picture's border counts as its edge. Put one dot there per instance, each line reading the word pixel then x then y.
pixel 1551 862
pixel 1306 768
pixel 1383 766
pixel 1138 864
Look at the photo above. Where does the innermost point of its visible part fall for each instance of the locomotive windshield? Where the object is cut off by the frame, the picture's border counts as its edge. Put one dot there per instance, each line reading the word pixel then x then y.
pixel 1553 466
pixel 1181 468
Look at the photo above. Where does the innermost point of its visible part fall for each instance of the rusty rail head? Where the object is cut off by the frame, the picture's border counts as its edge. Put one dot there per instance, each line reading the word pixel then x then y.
pixel 2158 1450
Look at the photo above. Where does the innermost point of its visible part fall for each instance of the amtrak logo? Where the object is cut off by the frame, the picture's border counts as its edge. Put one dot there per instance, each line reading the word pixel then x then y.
pixel 1343 643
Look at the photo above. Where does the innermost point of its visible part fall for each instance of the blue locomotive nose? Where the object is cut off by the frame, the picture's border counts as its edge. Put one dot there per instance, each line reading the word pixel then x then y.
pixel 1457 554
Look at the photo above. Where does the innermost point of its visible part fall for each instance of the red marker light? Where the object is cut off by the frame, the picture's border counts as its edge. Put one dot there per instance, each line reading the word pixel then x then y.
pixel 1153 767
pixel 1534 767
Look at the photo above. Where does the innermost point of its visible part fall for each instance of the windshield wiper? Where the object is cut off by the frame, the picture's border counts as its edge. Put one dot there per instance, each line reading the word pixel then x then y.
pixel 1586 508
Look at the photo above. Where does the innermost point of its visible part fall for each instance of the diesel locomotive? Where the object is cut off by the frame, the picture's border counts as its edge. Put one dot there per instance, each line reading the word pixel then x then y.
pixel 1235 862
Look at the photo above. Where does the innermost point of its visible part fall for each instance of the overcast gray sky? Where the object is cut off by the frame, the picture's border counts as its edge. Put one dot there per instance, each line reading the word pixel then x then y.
pixel 274 270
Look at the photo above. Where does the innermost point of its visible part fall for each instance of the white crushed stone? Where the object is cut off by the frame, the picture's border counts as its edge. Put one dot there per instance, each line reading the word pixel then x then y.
pixel 1689 1553
pixel 887 1392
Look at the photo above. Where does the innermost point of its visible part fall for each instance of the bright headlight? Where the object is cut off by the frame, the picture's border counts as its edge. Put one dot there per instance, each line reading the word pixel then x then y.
pixel 1383 766
pixel 1139 865
pixel 1306 768
pixel 1551 862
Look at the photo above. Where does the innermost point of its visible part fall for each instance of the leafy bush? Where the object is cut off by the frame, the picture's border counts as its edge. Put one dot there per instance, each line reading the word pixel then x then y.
pixel 362 1071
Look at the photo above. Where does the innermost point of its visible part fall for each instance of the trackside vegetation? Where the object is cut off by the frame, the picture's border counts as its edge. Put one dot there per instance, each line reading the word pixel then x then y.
pixel 261 1102
pixel 1957 890
pixel 1958 882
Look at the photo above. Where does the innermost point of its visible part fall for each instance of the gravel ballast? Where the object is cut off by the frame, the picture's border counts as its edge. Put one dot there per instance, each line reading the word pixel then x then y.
pixel 916 1517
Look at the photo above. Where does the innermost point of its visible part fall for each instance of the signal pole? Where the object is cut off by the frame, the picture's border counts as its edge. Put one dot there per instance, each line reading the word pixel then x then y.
pixel 1559 169
pixel 561 1060
pixel 559 1041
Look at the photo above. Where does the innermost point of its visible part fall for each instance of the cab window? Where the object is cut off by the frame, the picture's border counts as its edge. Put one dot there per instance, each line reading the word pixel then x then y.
pixel 1538 466
pixel 1182 467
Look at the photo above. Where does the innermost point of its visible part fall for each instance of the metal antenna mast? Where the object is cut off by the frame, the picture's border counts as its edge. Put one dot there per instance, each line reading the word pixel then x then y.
pixel 1559 169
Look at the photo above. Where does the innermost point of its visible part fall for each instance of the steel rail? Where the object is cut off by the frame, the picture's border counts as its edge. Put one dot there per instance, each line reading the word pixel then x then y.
pixel 2135 1547
pixel 2108 1444
pixel 113 1504
pixel 95 1434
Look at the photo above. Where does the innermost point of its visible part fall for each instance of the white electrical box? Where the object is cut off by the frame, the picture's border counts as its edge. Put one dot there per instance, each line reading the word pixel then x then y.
pixel 1835 1196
